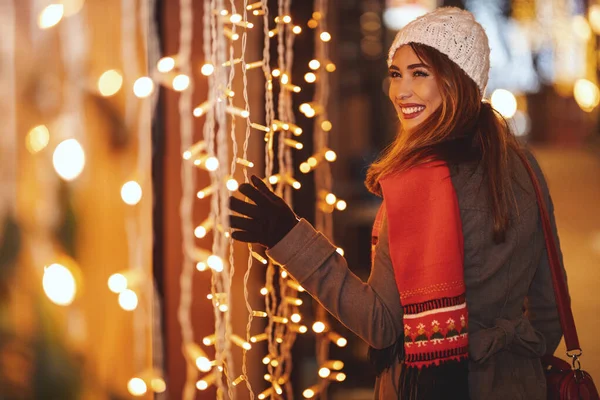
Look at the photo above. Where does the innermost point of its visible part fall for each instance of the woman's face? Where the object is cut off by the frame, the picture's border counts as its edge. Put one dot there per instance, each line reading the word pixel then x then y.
pixel 413 89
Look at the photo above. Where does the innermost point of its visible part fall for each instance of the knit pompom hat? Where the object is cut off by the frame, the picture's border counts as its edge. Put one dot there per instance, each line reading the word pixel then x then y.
pixel 455 33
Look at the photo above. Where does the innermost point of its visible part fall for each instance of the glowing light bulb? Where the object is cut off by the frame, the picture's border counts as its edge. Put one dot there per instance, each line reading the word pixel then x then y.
pixel 326 125
pixel 137 387
pixel 312 23
pixel 201 385
pixel 68 159
pixel 181 82
pixel 330 67
pixel 340 376
pixel 325 36
pixel 309 393
pixel 37 139
pixel 203 364
pixel 318 327
pixel 276 72
pixel 302 329
pixel 51 15
pixel 297 30
pixel 207 69
pixel 296 318
pixel 201 266
pixel 324 372
pixel 232 184
pixel 211 163
pixel 341 342
pixel 117 283
pixel 158 385
pixel 223 307
pixel 330 199
pixel 304 168
pixel 131 193
pixel 128 300
pixel 341 205
pixel 165 64
pixel 314 65
pixel 110 83
pixel 330 155
pixel 59 284
pixel 586 94
pixel 310 77
pixel 143 87
pixel 264 291
pixel 235 18
pixel 215 263
pixel 504 102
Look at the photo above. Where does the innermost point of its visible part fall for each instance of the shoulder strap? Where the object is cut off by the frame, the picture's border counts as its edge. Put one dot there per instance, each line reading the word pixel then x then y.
pixel 558 280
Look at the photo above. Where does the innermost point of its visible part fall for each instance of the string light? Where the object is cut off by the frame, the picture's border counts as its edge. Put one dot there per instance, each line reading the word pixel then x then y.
pixel 37 139
pixel 311 392
pixel 110 82
pixel 165 64
pixel 128 300
pixel 325 36
pixel 207 69
pixel 337 339
pixel 318 327
pixel 137 387
pixel 120 281
pixel 131 193
pixel 68 159
pixel 205 382
pixel 59 284
pixel 143 87
pixel 504 102
pixel 181 82
pixel 50 16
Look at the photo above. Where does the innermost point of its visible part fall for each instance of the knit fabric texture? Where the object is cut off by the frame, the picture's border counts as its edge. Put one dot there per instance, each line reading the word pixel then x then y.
pixel 427 253
pixel 455 33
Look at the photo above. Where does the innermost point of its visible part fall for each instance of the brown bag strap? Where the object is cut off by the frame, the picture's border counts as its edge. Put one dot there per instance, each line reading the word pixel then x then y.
pixel 558 280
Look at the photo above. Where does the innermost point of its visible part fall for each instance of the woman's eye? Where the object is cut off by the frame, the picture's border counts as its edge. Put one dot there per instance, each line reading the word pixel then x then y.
pixel 420 73
pixel 395 74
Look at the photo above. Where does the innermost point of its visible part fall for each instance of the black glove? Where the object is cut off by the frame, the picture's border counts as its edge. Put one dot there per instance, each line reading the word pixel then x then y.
pixel 269 219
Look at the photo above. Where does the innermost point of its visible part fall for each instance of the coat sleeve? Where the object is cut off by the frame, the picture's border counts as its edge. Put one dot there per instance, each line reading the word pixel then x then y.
pixel 372 310
pixel 542 310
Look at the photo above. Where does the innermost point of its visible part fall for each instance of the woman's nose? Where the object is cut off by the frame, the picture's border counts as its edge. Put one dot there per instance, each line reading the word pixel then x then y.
pixel 402 90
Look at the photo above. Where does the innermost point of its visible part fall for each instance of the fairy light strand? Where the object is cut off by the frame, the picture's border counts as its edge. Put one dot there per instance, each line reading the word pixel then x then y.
pixel 323 221
pixel 186 204
pixel 245 171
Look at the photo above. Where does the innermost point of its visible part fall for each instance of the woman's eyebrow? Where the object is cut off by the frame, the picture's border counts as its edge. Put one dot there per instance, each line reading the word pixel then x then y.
pixel 394 68
pixel 420 65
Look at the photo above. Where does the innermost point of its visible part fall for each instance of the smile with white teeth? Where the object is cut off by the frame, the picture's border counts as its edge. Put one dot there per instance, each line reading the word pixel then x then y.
pixel 412 110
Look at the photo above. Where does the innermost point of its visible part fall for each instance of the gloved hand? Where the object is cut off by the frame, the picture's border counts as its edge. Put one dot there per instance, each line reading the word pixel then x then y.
pixel 268 220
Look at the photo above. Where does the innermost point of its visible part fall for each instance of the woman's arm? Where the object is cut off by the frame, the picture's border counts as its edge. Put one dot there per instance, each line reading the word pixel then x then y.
pixel 372 310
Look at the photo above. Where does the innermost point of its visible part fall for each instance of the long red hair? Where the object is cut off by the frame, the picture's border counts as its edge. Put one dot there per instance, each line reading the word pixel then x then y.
pixel 462 111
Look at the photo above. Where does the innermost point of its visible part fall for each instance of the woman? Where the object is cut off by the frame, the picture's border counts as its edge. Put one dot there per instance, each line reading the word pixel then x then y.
pixel 459 245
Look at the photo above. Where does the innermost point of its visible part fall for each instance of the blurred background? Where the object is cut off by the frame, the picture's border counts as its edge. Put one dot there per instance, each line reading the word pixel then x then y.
pixel 90 178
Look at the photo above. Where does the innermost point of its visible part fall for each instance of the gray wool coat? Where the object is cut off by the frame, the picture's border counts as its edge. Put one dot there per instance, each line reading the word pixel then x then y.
pixel 505 345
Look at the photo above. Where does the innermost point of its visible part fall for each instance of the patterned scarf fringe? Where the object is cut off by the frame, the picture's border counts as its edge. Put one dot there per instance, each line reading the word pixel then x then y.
pixel 447 380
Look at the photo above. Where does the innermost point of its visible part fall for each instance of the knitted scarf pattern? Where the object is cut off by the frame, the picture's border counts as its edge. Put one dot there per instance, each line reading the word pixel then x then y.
pixel 427 253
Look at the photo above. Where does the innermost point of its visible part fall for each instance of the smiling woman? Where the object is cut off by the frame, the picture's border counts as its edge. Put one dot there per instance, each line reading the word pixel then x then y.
pixel 440 242
pixel 414 89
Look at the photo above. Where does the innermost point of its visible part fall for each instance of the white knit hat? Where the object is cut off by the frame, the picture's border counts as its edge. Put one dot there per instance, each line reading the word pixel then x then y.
pixel 455 33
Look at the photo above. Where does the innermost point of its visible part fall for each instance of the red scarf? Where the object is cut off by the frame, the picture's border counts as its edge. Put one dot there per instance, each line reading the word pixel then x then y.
pixel 426 249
